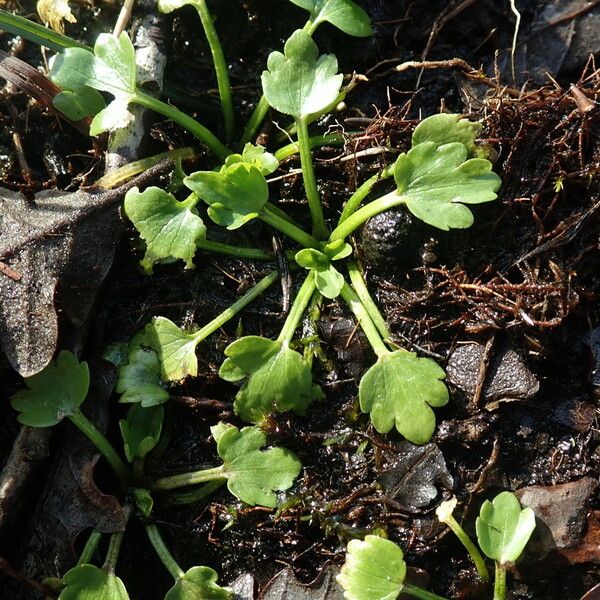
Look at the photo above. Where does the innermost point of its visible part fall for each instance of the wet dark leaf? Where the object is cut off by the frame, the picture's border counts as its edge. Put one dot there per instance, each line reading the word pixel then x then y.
pixel 285 586
pixel 415 474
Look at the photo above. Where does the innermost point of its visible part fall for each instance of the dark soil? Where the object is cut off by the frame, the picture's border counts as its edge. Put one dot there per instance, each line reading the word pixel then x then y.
pixel 524 276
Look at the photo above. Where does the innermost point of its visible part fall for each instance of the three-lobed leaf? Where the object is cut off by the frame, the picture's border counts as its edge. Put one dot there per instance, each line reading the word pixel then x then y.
pixel 374 569
pixel 87 582
pixel 437 182
pixel 254 475
pixel 278 378
pixel 53 394
pixel 169 228
pixel 235 195
pixel 447 128
pixel 399 390
pixel 503 528
pixel 78 104
pixel 198 583
pixel 299 82
pixel 328 279
pixel 346 15
pixel 141 430
pixel 175 348
pixel 257 156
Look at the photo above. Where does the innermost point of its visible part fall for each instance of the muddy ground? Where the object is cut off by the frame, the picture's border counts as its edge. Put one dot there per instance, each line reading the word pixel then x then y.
pixel 509 307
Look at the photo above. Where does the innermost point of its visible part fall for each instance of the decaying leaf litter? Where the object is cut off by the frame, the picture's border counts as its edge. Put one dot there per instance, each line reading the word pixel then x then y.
pixel 523 278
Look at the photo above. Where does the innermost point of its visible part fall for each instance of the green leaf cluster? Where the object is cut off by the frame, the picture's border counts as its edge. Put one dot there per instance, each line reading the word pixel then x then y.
pixel 141 430
pixel 328 279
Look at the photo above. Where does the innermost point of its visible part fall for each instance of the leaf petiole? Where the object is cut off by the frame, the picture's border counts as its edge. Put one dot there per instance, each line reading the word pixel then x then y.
pixel 364 319
pixel 195 495
pixel 193 478
pixel 113 552
pixel 294 317
pixel 417 592
pixel 193 126
pixel 256 118
pixel 163 552
pixel 315 141
pixel 104 446
pixel 310 181
pixel 237 251
pixel 500 581
pixel 220 65
pixel 292 231
pixel 90 547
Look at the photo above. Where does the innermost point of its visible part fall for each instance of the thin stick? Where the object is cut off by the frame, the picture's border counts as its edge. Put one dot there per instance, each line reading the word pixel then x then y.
pixel 123 18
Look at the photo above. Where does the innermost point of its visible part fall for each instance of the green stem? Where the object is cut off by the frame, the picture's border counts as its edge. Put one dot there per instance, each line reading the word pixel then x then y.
pixel 186 479
pixel 417 592
pixel 466 541
pixel 197 129
pixel 360 287
pixel 196 495
pixel 163 552
pixel 315 141
pixel 86 555
pixel 500 582
pixel 113 552
pixel 239 252
pixel 220 66
pixel 256 118
pixel 310 181
pixel 363 191
pixel 366 324
pixel 294 317
pixel 362 215
pixel 292 231
pixel 235 308
pixel 104 446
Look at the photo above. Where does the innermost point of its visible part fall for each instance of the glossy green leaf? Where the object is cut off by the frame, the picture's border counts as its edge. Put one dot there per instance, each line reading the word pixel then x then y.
pixel 398 390
pixel 255 475
pixel 54 393
pixel 446 129
pixel 169 228
pixel 343 14
pixel 328 279
pixel 299 82
pixel 278 378
pixel 175 348
pixel 143 501
pixel 167 6
pixel 139 377
pixel 87 582
pixel 141 430
pixel 503 528
pixel 374 569
pixel 198 583
pixel 264 161
pixel 437 183
pixel 79 104
pixel 235 195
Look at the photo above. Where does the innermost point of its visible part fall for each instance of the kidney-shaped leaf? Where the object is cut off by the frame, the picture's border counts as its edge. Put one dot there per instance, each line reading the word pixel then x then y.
pixel 299 82
pixel 169 228
pixel 87 582
pixel 343 14
pixel 54 393
pixel 278 378
pixel 437 181
pixel 254 475
pixel 447 128
pixel 235 195
pixel 198 583
pixel 399 390
pixel 503 528
pixel 141 430
pixel 374 569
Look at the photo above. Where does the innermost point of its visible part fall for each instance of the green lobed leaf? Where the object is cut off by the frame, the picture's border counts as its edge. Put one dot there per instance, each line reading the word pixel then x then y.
pixel 399 390
pixel 87 582
pixel 169 228
pixel 235 195
pixel 255 475
pixel 85 102
pixel 446 129
pixel 328 279
pixel 437 182
pixel 141 430
pixel 299 82
pixel 374 569
pixel 198 583
pixel 54 393
pixel 343 14
pixel 264 161
pixel 139 377
pixel 115 116
pixel 503 528
pixel 175 348
pixel 278 378
pixel 143 501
